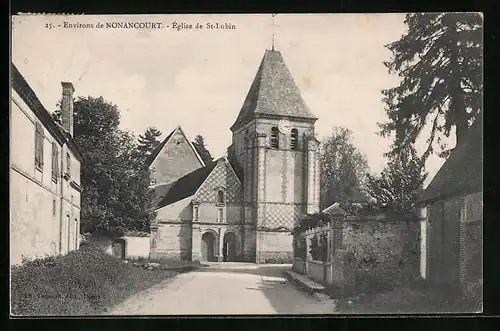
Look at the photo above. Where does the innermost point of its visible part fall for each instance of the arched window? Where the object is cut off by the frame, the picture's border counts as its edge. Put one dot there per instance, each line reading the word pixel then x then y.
pixel 294 139
pixel 220 196
pixel 275 138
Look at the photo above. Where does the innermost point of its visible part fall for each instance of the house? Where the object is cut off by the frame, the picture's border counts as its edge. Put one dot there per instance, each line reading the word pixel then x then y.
pixel 241 207
pixel 451 238
pixel 45 184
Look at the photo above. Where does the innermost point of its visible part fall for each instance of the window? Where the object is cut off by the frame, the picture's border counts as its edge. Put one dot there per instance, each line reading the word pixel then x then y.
pixel 68 164
pixel 220 196
pixel 294 139
pixel 54 207
pixel 275 143
pixel 55 162
pixel 195 213
pixel 39 136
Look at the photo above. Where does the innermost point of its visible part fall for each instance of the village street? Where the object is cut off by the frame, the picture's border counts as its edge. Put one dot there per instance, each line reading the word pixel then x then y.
pixel 225 289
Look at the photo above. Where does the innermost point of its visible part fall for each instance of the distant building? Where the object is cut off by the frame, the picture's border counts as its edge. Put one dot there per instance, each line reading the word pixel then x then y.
pixel 243 207
pixel 44 175
pixel 453 204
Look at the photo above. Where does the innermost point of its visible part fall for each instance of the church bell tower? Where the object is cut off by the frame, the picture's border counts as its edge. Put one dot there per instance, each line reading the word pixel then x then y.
pixel 275 146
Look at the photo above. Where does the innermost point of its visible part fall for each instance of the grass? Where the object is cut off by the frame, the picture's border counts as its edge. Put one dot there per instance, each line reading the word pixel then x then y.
pixel 404 301
pixel 83 282
pixel 392 292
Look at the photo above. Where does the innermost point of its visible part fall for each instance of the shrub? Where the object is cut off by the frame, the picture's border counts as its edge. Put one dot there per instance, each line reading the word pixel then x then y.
pixel 279 260
pixel 83 282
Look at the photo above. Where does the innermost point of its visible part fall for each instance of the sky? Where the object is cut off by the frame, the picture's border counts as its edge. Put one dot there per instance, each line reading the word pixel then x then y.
pixel 199 78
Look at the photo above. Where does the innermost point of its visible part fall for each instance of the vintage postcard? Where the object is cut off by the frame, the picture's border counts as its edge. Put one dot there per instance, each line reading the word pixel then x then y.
pixel 267 164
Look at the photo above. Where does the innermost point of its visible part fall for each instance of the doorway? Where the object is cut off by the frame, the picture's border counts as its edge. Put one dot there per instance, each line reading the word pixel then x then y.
pixel 119 248
pixel 208 241
pixel 229 248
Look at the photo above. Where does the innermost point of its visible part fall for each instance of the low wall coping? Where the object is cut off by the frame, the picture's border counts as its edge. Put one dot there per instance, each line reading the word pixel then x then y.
pixel 316 262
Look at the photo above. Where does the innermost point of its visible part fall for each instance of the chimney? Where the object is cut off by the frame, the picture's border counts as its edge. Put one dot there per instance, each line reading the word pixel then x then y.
pixel 67 107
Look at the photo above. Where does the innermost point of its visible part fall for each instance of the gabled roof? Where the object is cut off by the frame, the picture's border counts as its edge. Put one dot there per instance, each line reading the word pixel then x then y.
pixel 273 92
pixel 151 157
pixel 159 191
pixel 334 209
pixel 463 170
pixel 237 169
pixel 186 186
pixel 21 86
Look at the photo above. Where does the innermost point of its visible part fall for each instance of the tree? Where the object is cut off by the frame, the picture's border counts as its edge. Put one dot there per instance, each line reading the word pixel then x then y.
pixel 199 145
pixel 343 167
pixel 115 197
pixel 148 141
pixel 440 62
pixel 400 183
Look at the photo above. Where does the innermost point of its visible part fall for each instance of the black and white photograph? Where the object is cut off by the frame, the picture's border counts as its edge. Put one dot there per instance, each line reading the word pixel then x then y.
pixel 246 164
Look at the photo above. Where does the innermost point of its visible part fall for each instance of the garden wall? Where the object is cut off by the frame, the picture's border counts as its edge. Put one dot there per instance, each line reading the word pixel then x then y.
pixel 136 247
pixel 386 251
pixel 384 247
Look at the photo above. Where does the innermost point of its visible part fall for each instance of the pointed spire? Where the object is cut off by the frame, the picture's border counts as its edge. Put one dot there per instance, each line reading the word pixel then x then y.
pixel 274 26
pixel 273 92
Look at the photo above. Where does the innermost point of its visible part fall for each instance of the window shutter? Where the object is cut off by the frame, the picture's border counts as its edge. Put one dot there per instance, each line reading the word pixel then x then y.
pixel 68 164
pixel 42 137
pixel 38 145
pixel 55 163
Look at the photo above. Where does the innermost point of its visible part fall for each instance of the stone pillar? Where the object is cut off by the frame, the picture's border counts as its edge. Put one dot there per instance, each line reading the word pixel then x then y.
pixel 261 175
pixel 153 239
pixel 260 198
pixel 220 242
pixel 312 175
pixel 308 258
pixel 424 244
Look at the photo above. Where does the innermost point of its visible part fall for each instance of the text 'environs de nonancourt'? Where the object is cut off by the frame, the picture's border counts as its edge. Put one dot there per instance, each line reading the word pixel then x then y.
pixel 175 25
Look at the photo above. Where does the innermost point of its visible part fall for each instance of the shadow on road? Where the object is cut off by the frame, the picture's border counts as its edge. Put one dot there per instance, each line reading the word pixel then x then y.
pixel 283 296
pixel 256 269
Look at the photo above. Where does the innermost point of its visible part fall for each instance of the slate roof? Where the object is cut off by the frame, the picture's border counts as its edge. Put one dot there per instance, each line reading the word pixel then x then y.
pixel 463 170
pixel 273 92
pixel 21 86
pixel 159 192
pixel 237 169
pixel 186 186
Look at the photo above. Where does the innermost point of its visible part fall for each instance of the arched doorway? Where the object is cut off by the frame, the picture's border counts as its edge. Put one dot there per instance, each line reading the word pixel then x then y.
pixel 229 248
pixel 119 248
pixel 208 247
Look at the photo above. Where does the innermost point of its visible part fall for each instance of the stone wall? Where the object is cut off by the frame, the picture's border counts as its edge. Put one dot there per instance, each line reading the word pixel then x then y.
pixel 45 213
pixel 179 211
pixel 274 247
pixel 384 249
pixel 135 247
pixel 173 241
pixel 316 270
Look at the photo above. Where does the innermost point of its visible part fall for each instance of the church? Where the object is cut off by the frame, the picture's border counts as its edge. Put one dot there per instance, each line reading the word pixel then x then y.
pixel 241 207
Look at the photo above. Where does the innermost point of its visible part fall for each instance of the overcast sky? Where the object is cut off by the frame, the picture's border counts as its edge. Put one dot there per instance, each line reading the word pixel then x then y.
pixel 199 78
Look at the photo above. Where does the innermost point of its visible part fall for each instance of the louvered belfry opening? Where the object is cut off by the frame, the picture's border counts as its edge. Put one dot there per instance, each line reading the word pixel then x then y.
pixel 294 139
pixel 275 138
